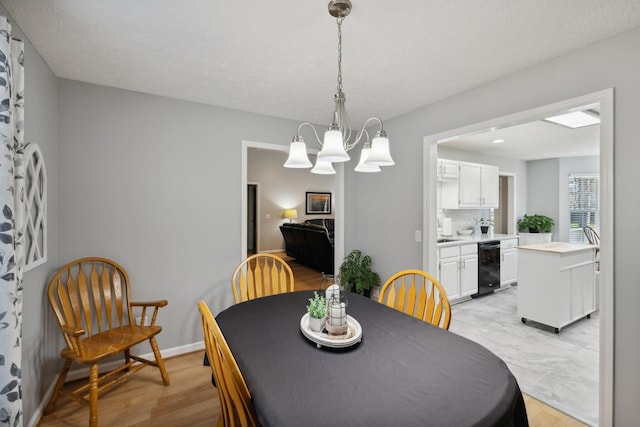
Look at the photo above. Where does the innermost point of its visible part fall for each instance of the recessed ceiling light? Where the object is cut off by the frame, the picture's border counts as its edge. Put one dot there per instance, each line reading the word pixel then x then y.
pixel 576 119
pixel 497 141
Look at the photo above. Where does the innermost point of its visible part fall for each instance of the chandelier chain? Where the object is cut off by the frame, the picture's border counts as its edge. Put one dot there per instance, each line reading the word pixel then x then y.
pixel 340 19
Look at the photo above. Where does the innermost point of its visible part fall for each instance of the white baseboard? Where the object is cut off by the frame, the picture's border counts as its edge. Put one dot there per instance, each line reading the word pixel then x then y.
pixel 272 251
pixel 83 372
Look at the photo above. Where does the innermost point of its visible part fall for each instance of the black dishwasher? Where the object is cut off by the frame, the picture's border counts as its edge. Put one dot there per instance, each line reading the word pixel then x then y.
pixel 488 267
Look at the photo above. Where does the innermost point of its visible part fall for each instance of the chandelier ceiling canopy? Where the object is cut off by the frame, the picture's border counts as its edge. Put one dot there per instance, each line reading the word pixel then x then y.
pixel 338 139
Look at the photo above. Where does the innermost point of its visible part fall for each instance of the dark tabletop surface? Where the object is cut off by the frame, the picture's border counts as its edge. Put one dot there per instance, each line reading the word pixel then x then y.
pixel 404 372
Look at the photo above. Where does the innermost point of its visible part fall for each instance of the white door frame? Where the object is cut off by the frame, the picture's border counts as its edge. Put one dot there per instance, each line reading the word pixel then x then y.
pixel 607 285
pixel 339 198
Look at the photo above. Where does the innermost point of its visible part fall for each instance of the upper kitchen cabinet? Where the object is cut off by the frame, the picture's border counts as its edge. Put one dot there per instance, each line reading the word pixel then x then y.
pixel 478 186
pixel 447 169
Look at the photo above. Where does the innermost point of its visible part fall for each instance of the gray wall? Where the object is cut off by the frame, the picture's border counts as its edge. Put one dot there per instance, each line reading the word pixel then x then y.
pixel 543 193
pixel 155 184
pixel 41 127
pixel 282 188
pixel 384 210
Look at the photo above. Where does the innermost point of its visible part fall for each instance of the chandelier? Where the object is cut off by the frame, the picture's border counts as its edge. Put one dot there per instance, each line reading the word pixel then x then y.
pixel 337 138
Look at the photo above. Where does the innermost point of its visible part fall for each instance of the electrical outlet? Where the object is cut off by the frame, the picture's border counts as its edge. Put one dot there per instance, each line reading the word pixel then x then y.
pixel 139 321
pixel 418 236
pixel 267 216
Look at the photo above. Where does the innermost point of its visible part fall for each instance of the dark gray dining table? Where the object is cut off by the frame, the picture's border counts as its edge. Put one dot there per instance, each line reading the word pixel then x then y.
pixel 404 372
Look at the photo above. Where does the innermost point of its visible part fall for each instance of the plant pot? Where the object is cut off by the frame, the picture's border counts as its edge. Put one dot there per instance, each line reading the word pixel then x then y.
pixel 316 324
pixel 484 229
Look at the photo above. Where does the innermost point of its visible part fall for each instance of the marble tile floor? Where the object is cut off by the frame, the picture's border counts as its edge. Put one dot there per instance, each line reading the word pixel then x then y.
pixel 561 370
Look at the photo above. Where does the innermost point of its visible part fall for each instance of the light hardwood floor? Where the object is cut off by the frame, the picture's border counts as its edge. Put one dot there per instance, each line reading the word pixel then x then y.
pixel 191 400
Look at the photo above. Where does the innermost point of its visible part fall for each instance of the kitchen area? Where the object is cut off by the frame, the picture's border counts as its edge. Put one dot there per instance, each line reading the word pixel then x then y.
pixel 473 260
pixel 537 318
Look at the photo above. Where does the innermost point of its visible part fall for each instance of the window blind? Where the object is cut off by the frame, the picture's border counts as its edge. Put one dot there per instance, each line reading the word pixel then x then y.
pixel 584 205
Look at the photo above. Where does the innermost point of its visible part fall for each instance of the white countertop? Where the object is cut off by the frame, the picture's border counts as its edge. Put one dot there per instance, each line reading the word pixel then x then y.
pixel 557 247
pixel 474 238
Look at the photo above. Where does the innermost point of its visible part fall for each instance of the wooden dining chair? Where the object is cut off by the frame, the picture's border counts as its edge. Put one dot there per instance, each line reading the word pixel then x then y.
pixel 418 294
pixel 90 298
pixel 235 400
pixel 261 275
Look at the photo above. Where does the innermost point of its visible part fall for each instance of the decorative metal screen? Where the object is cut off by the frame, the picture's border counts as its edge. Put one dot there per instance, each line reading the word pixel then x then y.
pixel 35 222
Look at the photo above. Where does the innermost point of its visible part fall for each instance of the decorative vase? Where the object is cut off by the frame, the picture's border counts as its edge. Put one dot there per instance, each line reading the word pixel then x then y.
pixel 316 324
pixel 484 229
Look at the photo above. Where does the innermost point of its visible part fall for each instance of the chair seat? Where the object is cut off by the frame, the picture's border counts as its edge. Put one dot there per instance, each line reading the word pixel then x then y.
pixel 113 341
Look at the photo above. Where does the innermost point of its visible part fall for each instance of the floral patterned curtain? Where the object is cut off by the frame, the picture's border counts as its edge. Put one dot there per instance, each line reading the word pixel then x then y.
pixel 11 223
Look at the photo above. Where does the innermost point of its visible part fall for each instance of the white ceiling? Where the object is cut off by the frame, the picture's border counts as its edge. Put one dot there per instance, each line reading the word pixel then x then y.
pixel 279 58
pixel 533 141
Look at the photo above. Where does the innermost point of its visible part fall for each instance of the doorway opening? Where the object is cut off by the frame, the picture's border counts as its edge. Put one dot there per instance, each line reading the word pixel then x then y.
pixel 504 216
pixel 338 199
pixel 252 216
pixel 604 102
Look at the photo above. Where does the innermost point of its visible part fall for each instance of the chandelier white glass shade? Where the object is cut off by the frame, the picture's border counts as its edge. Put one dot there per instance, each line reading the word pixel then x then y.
pixel 337 139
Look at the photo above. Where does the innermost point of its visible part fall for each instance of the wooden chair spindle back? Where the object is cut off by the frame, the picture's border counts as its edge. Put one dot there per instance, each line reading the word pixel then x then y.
pixel 261 275
pixel 418 294
pixel 96 305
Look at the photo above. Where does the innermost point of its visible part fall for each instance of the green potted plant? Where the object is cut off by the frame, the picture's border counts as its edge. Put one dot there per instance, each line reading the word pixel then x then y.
pixel 485 223
pixel 356 275
pixel 535 224
pixel 317 310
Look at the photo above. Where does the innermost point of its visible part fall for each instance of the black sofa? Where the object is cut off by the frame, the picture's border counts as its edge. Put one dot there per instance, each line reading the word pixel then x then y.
pixel 310 244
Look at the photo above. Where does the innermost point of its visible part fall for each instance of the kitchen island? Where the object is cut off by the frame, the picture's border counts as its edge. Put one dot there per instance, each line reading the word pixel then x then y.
pixel 556 283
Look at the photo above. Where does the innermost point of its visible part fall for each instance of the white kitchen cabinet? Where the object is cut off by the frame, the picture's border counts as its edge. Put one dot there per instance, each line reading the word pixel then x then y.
pixel 458 270
pixel 447 169
pixel 478 186
pixel 469 271
pixel 556 283
pixel 508 262
pixel 448 194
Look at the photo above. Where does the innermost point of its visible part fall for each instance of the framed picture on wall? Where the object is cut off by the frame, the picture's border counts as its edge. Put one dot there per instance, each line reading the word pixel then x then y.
pixel 318 203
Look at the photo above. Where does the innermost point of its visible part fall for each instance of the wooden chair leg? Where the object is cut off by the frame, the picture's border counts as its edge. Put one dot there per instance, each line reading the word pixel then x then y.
pixel 127 357
pixel 93 395
pixel 159 361
pixel 59 384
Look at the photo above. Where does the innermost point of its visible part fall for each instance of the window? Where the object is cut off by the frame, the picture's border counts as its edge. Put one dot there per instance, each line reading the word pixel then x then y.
pixel 584 205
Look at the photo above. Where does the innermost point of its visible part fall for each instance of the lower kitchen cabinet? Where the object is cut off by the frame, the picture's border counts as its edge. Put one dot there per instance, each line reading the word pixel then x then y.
pixel 458 270
pixel 508 262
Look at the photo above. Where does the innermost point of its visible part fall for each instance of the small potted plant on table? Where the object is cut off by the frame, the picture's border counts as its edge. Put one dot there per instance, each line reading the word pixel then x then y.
pixel 317 310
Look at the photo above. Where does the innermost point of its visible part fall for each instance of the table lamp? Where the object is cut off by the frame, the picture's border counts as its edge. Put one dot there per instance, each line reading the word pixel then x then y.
pixel 291 214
